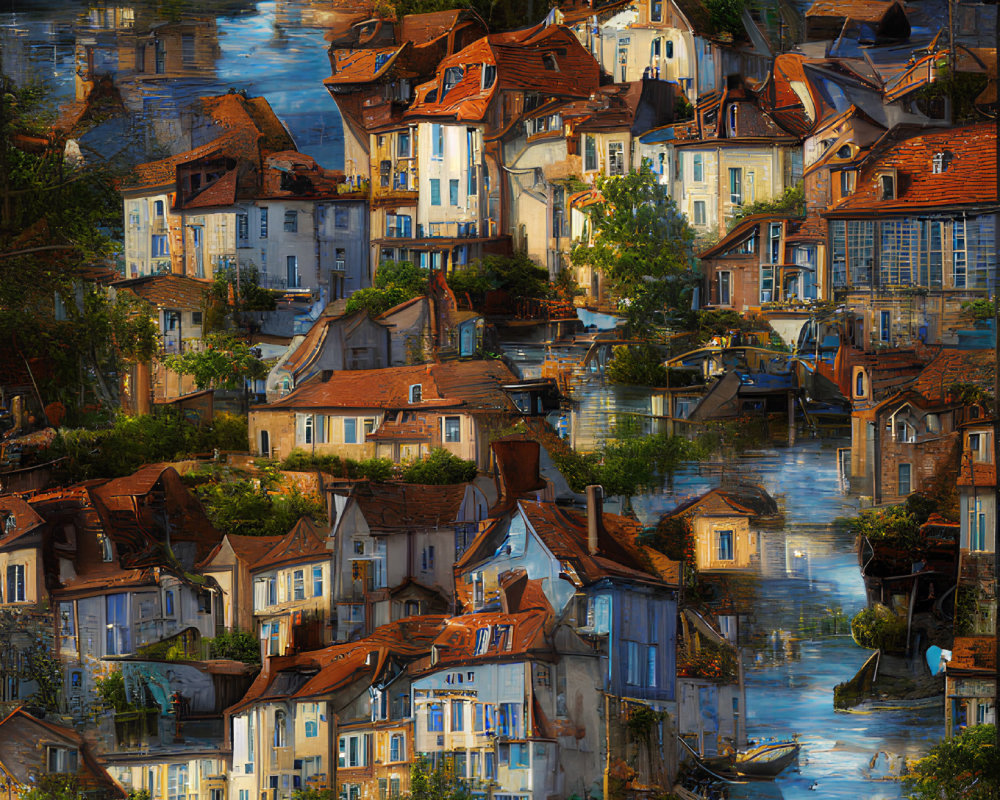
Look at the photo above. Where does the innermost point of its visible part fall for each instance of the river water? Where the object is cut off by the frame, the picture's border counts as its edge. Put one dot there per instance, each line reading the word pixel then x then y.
pixel 276 49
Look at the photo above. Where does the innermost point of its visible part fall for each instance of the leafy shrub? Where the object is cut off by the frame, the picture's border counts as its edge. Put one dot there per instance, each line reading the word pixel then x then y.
pixel 111 690
pixel 966 766
pixel 640 365
pixel 895 525
pixel 377 470
pixel 236 645
pixel 245 507
pixel 879 628
pixel 440 468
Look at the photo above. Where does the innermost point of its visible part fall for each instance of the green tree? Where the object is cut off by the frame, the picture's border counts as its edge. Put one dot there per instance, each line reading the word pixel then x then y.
pixel 427 783
pixel 224 362
pixel 248 508
pixel 395 282
pixel 236 645
pixel 111 690
pixel 965 767
pixel 725 16
pixel 55 787
pixel 891 524
pixel 642 245
pixel 440 468
pixel 792 201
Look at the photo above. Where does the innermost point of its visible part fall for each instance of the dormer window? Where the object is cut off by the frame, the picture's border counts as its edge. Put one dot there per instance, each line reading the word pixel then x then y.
pixel 489 75
pixel 887 184
pixel 549 62
pixel 452 77
pixel 732 119
pixel 416 392
pixel 940 162
pixel 844 151
pixel 482 640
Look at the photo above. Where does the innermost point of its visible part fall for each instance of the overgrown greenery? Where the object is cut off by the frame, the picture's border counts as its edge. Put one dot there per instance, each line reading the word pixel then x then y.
pixel 27 630
pixel 52 786
pixel 792 201
pixel 222 362
pixel 131 442
pixel 879 628
pixel 896 525
pixel 642 365
pixel 628 462
pixel 642 245
pixel 439 468
pixel 517 275
pixel 236 645
pixel 427 783
pixel 395 282
pixel 111 690
pixel 960 89
pixel 377 470
pixel 725 17
pixel 230 296
pixel 246 507
pixel 710 660
pixel 970 393
pixel 978 309
pixel 966 766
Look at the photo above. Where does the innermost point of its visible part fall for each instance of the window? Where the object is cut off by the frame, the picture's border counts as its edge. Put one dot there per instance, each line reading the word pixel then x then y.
pixel 549 62
pixel 62 759
pixel 589 153
pixel 452 77
pixel 397 747
pixel 340 262
pixel 977 524
pixel 350 430
pixel 263 222
pixel 242 229
pixel 482 640
pixel 888 184
pixel 177 781
pixel 272 591
pixel 885 326
pixel 116 610
pixel 939 163
pixel 415 393
pixel 354 750
pixel 698 168
pixel 317 576
pixel 435 192
pixel 489 75
pixel 299 583
pixel 520 755
pixel 160 52
pixel 979 447
pixel 280 729
pixel 453 192
pixel 159 246
pixel 656 11
pixel 859 384
pixel 427 558
pixel 187 49
pixel 452 429
pixel 736 185
pixel 168 603
pixel 724 545
pixel 732 119
pixel 724 296
pixel 848 179
pixel 766 284
pixel 437 142
pixel 435 717
pixel 651 672
pixel 699 212
pixel 341 218
pixel 489 765
pixel 509 720
pixel 904 479
pixel 635 666
pixel 774 242
pixel 403 144
pixel 157 208
pixel 458 715
pixel 616 158
pixel 385 173
pixel 291 222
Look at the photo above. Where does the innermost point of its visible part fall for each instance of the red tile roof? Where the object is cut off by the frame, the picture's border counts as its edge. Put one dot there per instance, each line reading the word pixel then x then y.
pixel 352 67
pixel 168 291
pixel 304 542
pixel 322 672
pixel 974 653
pixel 248 549
pixel 17 519
pixel 520 59
pixel 524 635
pixel 856 10
pixel 968 179
pixel 956 366
pixel 399 507
pixel 474 385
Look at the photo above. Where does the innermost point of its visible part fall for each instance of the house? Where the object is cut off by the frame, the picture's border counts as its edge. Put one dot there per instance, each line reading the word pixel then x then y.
pixel 229 566
pixel 501 705
pixel 394 548
pixel 970 683
pixel 198 774
pixel 720 522
pixel 23 596
pixel 915 237
pixel 751 267
pixel 291 591
pixel 179 304
pixel 180 214
pixel 36 753
pixel 338 342
pixel 339 716
pixel 461 117
pixel 399 413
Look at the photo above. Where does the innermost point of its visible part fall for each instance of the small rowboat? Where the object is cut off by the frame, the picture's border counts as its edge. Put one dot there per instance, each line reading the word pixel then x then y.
pixel 766 758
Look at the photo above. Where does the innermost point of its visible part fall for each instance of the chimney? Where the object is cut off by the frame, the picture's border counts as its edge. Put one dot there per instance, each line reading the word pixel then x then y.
pixel 595 512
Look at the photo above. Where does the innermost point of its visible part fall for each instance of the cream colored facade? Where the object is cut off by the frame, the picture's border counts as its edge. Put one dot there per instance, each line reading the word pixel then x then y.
pixel 192 776
pixel 21 578
pixel 283 594
pixel 723 542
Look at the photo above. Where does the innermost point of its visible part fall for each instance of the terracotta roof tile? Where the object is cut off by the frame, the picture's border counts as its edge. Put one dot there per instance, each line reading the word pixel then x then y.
pixel 304 542
pixel 974 653
pixel 511 636
pixel 955 366
pixel 249 549
pixel 168 291
pixel 17 519
pixel 397 507
pixel 474 385
pixel 856 10
pixel 969 176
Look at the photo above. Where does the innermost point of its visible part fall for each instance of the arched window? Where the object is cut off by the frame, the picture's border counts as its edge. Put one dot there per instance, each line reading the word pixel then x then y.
pixel 859 384
pixel 280 729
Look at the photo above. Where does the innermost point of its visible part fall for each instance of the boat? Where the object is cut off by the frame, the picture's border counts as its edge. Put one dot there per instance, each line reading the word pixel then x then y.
pixel 766 758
